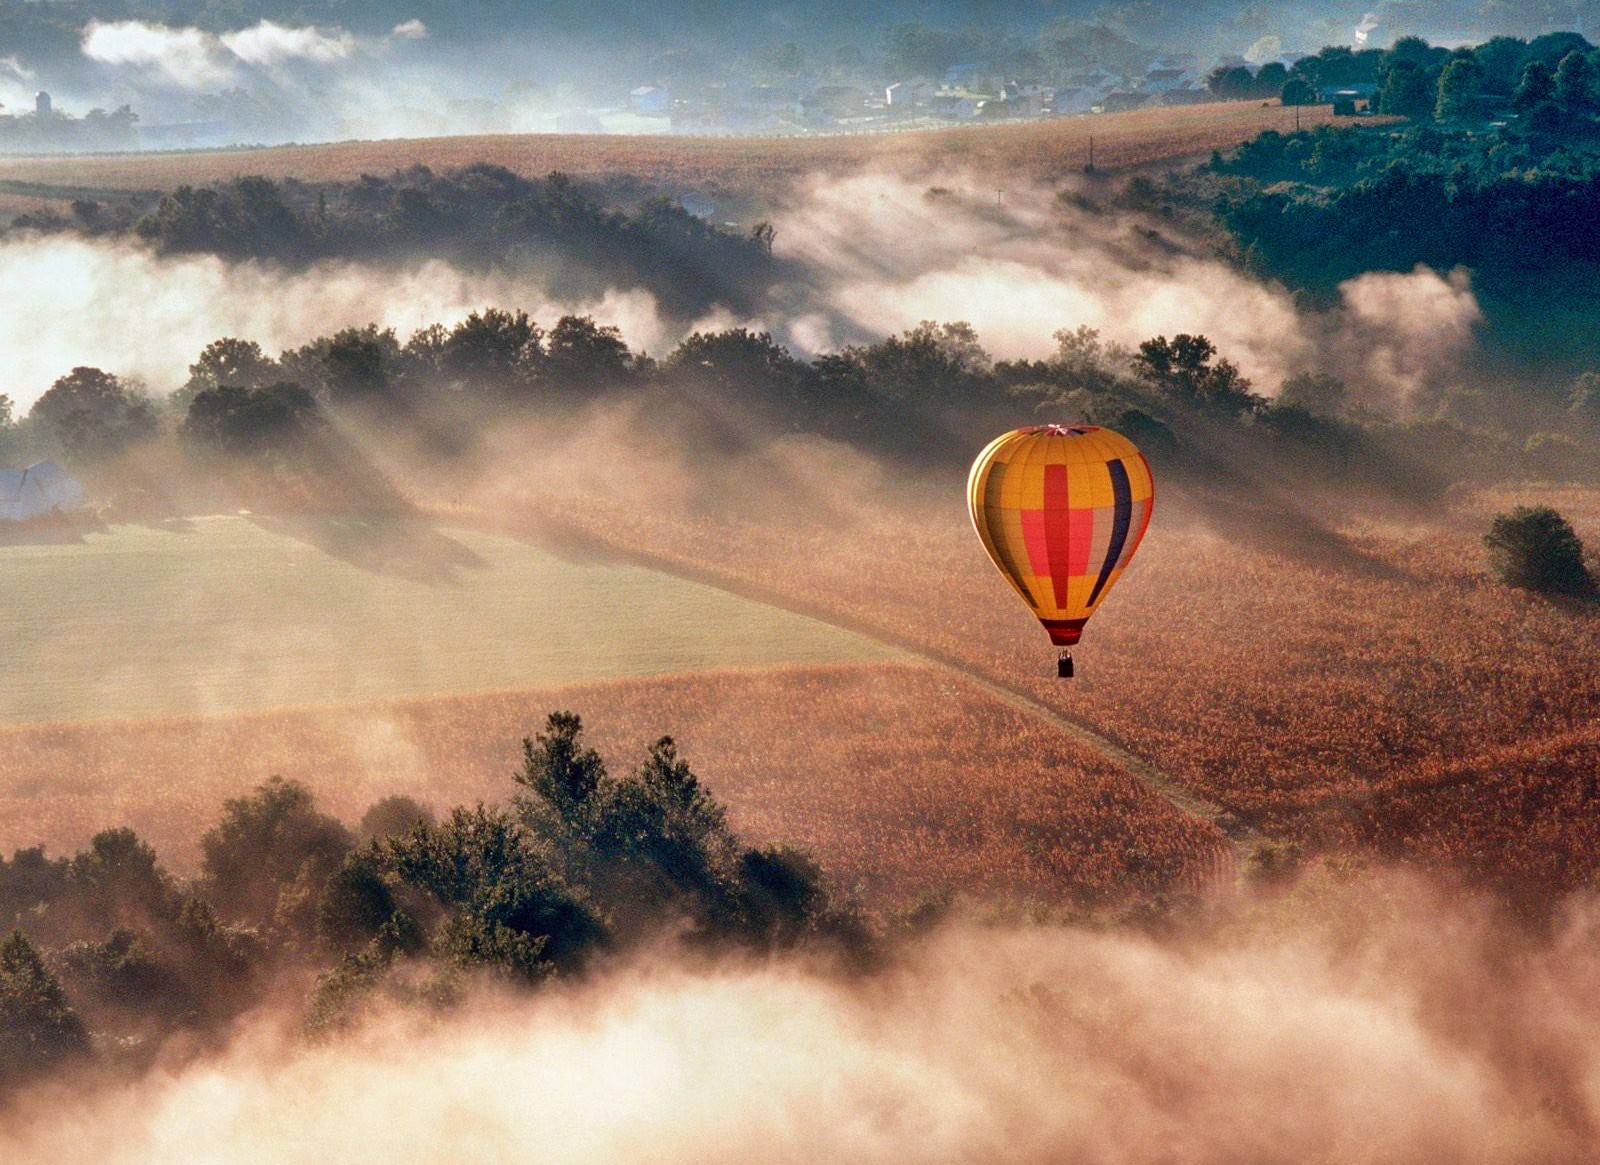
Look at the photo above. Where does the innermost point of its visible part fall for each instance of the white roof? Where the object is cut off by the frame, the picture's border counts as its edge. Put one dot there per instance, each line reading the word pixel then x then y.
pixel 43 480
pixel 12 481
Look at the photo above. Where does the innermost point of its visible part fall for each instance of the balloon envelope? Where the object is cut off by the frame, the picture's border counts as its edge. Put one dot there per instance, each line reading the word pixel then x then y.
pixel 1061 509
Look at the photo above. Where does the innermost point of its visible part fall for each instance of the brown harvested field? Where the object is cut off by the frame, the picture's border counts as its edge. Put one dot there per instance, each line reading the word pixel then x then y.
pixel 1291 683
pixel 1528 814
pixel 1037 149
pixel 901 778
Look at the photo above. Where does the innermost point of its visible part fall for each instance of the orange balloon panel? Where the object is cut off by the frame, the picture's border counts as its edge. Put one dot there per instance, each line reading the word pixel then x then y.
pixel 1061 509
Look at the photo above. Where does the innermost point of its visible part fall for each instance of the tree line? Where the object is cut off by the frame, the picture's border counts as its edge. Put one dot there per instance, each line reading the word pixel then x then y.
pixel 1512 202
pixel 104 955
pixel 1552 79
pixel 263 428
pixel 479 217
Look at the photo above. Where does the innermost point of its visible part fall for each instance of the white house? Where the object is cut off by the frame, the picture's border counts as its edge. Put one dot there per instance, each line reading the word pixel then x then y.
pixel 38 489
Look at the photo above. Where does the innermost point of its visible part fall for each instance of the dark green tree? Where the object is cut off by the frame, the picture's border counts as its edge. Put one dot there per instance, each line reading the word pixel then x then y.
pixel 1298 91
pixel 125 972
pixel 221 962
pixel 357 364
pixel 1536 87
pixel 664 831
pixel 580 353
pixel 930 363
pixel 1575 83
pixel 30 884
pixel 1270 79
pixel 1459 87
pixel 740 361
pixel 1411 50
pixel 1534 547
pixel 783 893
pixel 245 422
pixel 1408 91
pixel 559 769
pixel 1553 47
pixel 1502 59
pixel 1231 82
pixel 228 361
pixel 493 349
pixel 268 858
pixel 509 908
pixel 93 415
pixel 117 881
pixel 1185 369
pixel 38 1028
pixel 356 903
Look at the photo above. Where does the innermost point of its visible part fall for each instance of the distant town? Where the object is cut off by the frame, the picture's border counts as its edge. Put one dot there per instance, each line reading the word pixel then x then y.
pixel 965 93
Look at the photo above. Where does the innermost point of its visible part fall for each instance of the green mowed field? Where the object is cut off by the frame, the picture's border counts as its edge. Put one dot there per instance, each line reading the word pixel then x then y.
pixel 229 613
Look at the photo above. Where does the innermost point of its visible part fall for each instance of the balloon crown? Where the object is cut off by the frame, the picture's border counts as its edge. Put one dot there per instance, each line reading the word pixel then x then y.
pixel 1063 430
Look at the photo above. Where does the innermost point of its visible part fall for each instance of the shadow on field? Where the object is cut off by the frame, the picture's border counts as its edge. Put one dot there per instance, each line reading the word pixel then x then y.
pixel 565 540
pixel 1274 526
pixel 52 529
pixel 401 547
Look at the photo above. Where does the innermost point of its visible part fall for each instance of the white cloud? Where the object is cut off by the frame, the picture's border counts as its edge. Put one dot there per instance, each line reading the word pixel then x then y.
pixel 194 59
pixel 187 56
pixel 16 83
pixel 268 44
pixel 412 29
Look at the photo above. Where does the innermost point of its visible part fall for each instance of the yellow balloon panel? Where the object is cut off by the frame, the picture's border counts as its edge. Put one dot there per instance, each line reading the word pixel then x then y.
pixel 1061 509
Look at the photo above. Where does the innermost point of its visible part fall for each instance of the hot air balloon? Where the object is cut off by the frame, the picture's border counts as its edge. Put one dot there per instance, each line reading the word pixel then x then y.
pixel 1061 509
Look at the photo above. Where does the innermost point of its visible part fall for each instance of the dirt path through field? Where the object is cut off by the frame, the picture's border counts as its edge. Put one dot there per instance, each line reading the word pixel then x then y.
pixel 1245 840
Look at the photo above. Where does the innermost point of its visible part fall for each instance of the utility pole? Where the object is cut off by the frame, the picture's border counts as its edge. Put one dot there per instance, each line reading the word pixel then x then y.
pixel 1089 169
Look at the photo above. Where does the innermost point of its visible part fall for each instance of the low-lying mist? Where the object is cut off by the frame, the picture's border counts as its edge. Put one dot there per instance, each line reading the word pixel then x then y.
pixel 863 256
pixel 1018 262
pixel 1379 1019
pixel 66 302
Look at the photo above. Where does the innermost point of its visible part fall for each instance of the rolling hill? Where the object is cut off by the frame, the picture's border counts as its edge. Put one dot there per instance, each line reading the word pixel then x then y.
pixel 1028 150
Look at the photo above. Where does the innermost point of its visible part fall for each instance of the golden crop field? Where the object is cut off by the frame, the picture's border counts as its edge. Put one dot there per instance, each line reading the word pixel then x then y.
pixel 902 779
pixel 1029 150
pixel 1290 687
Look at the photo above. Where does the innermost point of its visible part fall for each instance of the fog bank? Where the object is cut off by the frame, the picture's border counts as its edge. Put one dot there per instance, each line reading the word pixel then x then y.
pixel 863 257
pixel 1344 1026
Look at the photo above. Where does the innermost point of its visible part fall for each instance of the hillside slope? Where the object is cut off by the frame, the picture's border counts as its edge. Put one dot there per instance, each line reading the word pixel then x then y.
pixel 1026 150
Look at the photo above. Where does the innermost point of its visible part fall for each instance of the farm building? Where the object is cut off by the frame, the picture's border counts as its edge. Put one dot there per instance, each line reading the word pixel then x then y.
pixel 38 489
